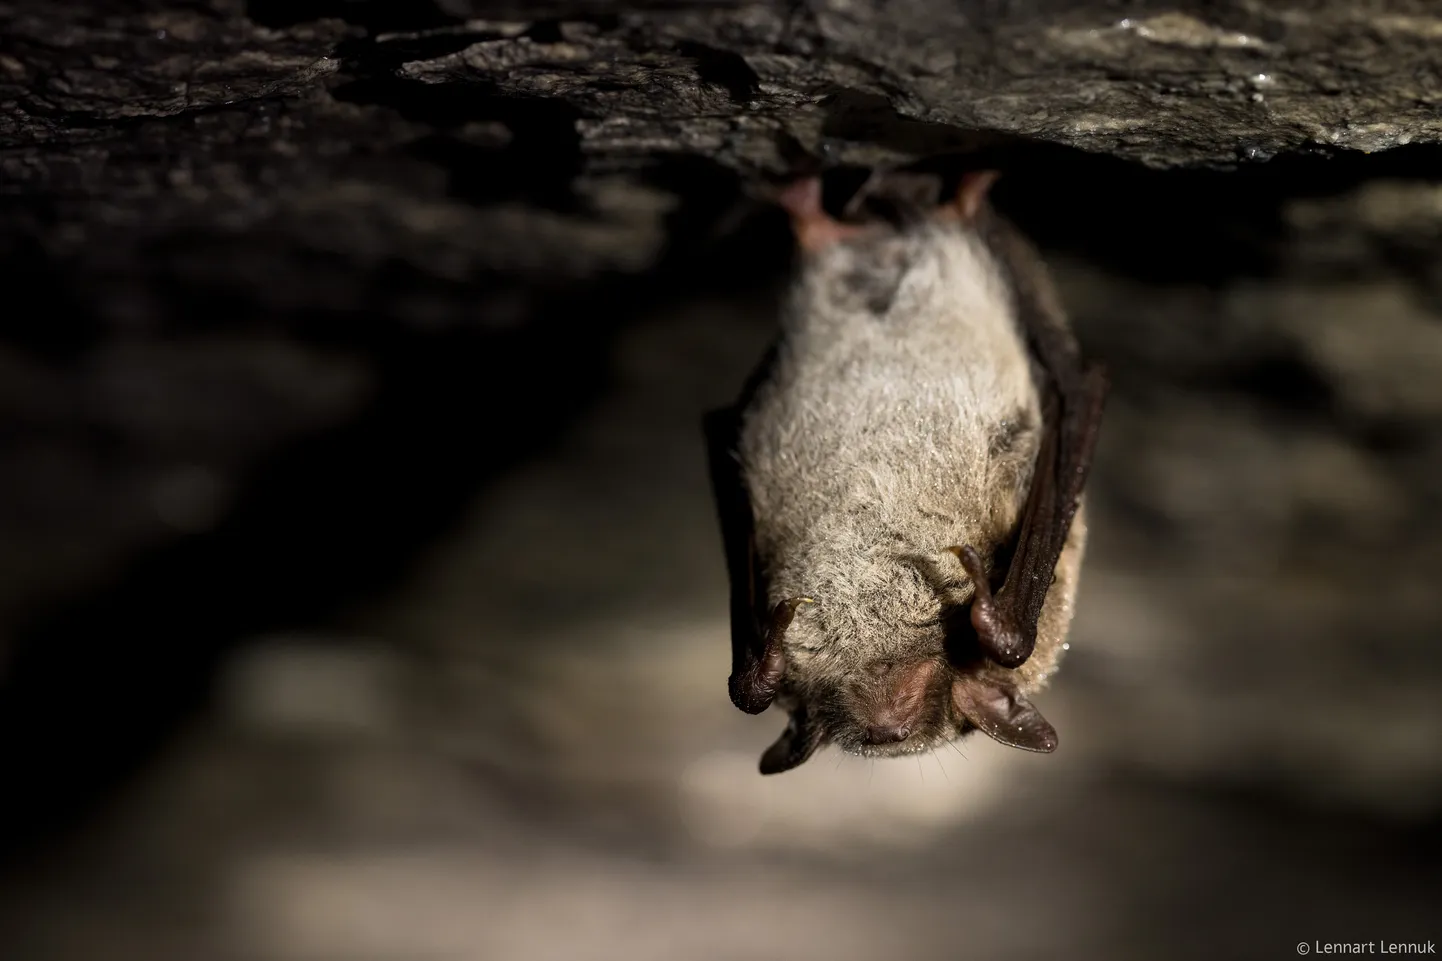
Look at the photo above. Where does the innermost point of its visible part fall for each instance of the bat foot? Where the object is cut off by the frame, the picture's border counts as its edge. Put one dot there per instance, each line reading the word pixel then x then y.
pixel 1002 641
pixel 753 687
pixel 815 228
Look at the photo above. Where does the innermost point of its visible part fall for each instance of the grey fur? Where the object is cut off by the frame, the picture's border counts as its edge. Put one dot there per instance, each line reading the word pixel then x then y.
pixel 892 426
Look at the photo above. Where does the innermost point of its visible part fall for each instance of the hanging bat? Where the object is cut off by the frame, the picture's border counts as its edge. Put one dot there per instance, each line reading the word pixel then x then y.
pixel 900 484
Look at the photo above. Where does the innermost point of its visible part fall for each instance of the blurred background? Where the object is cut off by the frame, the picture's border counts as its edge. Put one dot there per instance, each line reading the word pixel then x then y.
pixel 361 597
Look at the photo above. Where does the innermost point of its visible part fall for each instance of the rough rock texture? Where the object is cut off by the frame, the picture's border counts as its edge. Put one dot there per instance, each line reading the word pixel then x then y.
pixel 359 592
pixel 395 135
pixel 867 82
pixel 1162 82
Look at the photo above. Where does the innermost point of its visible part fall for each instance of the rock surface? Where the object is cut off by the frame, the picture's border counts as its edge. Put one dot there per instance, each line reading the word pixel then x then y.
pixel 1165 83
pixel 412 136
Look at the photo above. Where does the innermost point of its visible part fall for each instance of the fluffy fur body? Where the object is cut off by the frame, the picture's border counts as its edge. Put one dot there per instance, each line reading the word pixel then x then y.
pixel 900 416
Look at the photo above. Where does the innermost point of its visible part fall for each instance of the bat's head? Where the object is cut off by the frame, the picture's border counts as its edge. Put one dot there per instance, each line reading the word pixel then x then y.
pixel 904 263
pixel 901 670
pixel 888 707
pixel 817 231
pixel 910 706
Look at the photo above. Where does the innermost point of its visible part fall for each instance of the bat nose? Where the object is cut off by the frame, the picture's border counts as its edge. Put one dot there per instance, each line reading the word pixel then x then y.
pixel 893 713
pixel 887 733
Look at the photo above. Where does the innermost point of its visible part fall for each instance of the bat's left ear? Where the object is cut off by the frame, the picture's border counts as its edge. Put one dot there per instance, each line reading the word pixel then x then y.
pixel 1000 712
pixel 795 745
pixel 815 229
pixel 973 191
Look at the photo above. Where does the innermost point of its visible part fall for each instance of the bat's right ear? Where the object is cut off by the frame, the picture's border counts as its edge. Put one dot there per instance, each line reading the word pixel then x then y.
pixel 795 745
pixel 1000 712
pixel 970 196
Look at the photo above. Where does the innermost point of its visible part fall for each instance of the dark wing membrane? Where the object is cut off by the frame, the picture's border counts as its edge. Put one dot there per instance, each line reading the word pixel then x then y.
pixel 733 508
pixel 1073 395
pixel 1063 461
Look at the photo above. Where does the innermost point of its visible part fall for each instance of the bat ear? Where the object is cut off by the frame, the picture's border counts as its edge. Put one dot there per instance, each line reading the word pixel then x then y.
pixel 814 227
pixel 795 745
pixel 1000 712
pixel 970 196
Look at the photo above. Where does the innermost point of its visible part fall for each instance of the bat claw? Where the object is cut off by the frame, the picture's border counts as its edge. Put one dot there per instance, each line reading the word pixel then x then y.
pixel 753 688
pixel 1001 640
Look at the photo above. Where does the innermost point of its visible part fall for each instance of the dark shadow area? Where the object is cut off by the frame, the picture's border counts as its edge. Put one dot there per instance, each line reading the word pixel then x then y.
pixel 340 517
pixel 1172 226
pixel 1168 226
pixel 336 519
pixel 64 328
pixel 723 68
pixel 539 152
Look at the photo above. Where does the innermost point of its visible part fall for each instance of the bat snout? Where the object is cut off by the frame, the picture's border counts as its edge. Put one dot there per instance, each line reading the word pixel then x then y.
pixel 898 709
pixel 878 734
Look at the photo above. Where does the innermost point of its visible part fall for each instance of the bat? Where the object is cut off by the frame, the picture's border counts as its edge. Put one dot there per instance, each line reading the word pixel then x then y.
pixel 900 484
